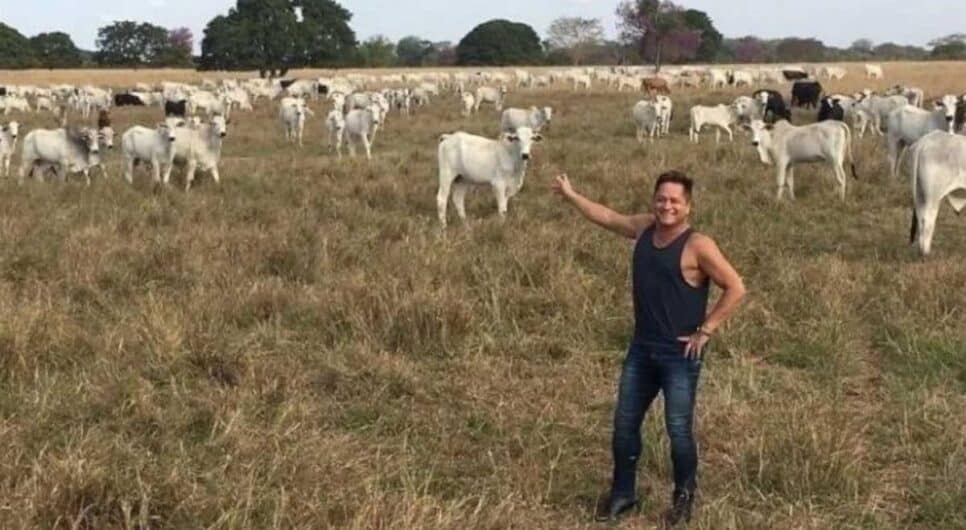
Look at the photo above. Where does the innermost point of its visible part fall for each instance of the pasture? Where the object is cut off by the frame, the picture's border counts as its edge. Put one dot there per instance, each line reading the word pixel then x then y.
pixel 303 347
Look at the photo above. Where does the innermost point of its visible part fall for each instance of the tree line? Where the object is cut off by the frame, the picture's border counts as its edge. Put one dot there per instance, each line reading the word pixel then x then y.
pixel 273 36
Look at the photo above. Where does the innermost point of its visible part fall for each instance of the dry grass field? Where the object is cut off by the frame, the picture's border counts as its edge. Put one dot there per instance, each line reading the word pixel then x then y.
pixel 302 347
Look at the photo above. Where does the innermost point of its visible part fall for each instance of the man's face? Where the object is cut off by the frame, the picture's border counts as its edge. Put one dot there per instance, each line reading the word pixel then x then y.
pixel 671 204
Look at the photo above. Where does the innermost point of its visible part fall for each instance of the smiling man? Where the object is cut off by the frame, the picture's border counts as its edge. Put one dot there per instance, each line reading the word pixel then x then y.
pixel 673 267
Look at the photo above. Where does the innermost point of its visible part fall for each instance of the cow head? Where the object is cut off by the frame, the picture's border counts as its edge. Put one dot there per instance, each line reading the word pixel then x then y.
pixel 761 139
pixel 166 130
pixel 89 138
pixel 219 126
pixel 947 104
pixel 13 129
pixel 547 114
pixel 762 97
pixel 105 136
pixel 523 139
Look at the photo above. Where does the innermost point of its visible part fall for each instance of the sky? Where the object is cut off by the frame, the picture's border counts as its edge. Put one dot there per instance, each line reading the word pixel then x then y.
pixel 835 22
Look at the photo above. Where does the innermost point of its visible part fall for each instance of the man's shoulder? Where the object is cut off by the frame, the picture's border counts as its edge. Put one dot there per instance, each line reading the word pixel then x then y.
pixel 699 241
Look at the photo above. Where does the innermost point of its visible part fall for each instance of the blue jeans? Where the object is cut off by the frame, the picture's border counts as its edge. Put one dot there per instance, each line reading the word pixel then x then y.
pixel 649 369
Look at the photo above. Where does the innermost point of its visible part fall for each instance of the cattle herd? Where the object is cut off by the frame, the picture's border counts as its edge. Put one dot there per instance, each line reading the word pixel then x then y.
pixel 926 141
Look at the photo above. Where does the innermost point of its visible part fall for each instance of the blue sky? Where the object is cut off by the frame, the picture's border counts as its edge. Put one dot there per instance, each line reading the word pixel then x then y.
pixel 836 22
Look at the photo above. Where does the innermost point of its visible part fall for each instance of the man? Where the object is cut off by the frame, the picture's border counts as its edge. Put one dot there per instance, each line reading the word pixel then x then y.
pixel 672 269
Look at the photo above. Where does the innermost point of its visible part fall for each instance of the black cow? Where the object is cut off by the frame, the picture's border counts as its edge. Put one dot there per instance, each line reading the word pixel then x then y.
pixel 829 109
pixel 3 91
pixel 806 94
pixel 285 82
pixel 794 75
pixel 774 105
pixel 127 100
pixel 176 108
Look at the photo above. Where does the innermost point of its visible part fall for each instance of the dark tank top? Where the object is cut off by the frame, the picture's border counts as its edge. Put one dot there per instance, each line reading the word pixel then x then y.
pixel 665 305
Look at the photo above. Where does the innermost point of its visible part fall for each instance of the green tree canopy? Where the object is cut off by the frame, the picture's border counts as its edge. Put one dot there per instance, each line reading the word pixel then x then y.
pixel 412 50
pixel 500 42
pixel 55 50
pixel 712 40
pixel 575 36
pixel 377 51
pixel 949 51
pixel 268 36
pixel 127 43
pixel 15 49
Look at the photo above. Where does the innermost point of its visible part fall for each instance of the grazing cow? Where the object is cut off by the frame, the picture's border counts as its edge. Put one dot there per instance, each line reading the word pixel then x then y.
pixel 742 77
pixel 834 72
pixel 211 103
pixel 128 100
pixel 152 146
pixel 773 105
pixel 303 88
pixel 907 124
pixel 794 75
pixel 14 103
pixel 720 116
pixel 45 103
pixel 937 172
pixel 291 113
pixel 915 96
pixel 873 71
pixel 8 142
pixel 534 118
pixel 198 147
pixel 582 80
pixel 466 159
pixel 67 151
pixel 176 108
pixel 806 94
pixel 785 145
pixel 655 85
pixel 647 119
pixel 878 108
pixel 717 78
pixel 360 127
pixel 467 102
pixel 830 109
pixel 105 134
pixel 487 94
pixel 335 123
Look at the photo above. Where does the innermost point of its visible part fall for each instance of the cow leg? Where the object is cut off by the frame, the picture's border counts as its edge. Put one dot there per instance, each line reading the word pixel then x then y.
pixel 215 175
pixel 780 179
pixel 640 134
pixel 442 195
pixel 367 145
pixel 499 191
pixel 790 182
pixel 840 176
pixel 189 175
pixel 350 143
pixel 717 135
pixel 731 135
pixel 926 217
pixel 459 199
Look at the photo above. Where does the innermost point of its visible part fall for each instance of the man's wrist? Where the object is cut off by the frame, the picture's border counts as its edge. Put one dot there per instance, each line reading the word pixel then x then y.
pixel 705 330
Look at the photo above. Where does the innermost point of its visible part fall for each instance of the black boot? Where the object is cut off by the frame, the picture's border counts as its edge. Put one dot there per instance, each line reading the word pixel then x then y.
pixel 614 508
pixel 680 512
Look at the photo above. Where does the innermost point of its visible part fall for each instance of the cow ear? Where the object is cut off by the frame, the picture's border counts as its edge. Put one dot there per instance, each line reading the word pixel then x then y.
pixel 769 126
pixel 513 138
pixel 537 138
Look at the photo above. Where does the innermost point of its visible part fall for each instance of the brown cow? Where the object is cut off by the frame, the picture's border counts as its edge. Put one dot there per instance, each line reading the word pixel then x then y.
pixel 655 85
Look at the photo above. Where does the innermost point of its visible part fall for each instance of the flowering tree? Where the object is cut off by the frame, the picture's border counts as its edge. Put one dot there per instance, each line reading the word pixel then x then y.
pixel 655 26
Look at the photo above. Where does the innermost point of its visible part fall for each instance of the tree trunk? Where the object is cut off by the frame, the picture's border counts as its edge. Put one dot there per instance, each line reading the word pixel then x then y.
pixel 261 73
pixel 657 57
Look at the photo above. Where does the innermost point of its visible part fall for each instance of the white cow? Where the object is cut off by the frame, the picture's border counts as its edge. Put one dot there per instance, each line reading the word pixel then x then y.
pixel 665 108
pixel 14 103
pixel 916 96
pixel 211 103
pixel 717 78
pixel 74 151
pixel 742 77
pixel 834 72
pixel 488 94
pixel 198 147
pixel 292 113
pixel 873 71
pixel 534 118
pixel 938 171
pixel 722 117
pixel 785 145
pixel 8 142
pixel 151 146
pixel 466 159
pixel 360 126
pixel 302 88
pixel 878 108
pixel 907 124
pixel 581 80
pixel 335 123
pixel 467 104
pixel 646 119
pixel 45 103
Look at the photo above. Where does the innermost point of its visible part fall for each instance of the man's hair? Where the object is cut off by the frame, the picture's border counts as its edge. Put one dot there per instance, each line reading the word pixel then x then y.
pixel 677 177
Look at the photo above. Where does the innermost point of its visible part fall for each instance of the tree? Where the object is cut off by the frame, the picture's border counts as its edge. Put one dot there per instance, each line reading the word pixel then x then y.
pixel 127 43
pixel 55 50
pixel 891 50
pixel 576 36
pixel 862 46
pixel 748 49
pixel 15 49
pixel 412 50
pixel 949 51
pixel 500 42
pixel 796 49
pixel 326 36
pixel 178 52
pixel 649 25
pixel 268 36
pixel 952 38
pixel 376 52
pixel 712 40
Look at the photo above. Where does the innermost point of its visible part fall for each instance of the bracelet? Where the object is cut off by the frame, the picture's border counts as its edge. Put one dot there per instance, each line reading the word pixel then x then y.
pixel 704 331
